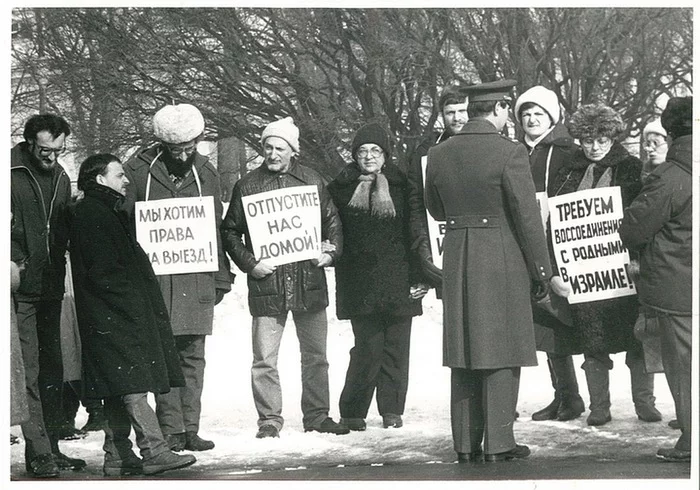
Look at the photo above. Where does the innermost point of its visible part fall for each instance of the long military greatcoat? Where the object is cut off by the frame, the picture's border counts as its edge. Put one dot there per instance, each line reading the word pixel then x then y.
pixel 480 183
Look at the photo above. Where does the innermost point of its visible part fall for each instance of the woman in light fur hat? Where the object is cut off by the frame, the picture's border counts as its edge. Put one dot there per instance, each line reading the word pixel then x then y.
pixel 550 145
pixel 606 326
pixel 379 284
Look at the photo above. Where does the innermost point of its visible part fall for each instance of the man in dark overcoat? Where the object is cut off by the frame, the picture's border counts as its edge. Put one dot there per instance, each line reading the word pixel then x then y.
pixel 128 348
pixel 452 105
pixel 495 255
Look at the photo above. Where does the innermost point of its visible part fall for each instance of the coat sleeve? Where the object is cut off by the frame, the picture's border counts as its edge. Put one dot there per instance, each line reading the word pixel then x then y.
pixel 331 226
pixel 418 223
pixel 432 196
pixel 233 229
pixel 519 189
pixel 647 214
pixel 223 277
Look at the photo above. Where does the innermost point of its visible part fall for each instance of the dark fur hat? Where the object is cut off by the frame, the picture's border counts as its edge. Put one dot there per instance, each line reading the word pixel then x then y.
pixel 593 120
pixel 677 118
pixel 372 133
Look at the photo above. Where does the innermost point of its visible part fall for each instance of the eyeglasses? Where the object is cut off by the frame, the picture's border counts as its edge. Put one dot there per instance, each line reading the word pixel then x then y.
pixel 44 151
pixel 602 141
pixel 188 149
pixel 653 146
pixel 375 152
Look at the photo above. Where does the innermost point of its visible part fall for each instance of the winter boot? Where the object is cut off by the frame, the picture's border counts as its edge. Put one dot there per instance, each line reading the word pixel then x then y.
pixel 598 381
pixel 571 404
pixel 643 391
pixel 550 411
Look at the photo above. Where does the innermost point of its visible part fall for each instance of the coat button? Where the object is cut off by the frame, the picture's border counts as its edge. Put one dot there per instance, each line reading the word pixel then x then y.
pixel 485 220
pixel 452 222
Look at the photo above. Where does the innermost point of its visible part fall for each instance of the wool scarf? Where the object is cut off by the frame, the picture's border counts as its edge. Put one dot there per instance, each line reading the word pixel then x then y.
pixel 374 189
pixel 587 180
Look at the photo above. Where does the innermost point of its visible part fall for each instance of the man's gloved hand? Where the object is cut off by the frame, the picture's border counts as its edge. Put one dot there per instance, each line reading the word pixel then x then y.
pixel 560 287
pixel 539 290
pixel 220 295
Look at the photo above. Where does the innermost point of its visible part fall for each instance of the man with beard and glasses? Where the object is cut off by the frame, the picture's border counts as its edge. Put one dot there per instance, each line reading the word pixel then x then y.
pixel 40 197
pixel 172 168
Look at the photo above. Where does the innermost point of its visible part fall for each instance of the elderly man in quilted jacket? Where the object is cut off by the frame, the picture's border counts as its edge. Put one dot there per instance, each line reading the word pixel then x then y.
pixel 275 290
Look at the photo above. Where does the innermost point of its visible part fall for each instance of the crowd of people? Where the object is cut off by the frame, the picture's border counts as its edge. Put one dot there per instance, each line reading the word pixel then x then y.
pixel 142 328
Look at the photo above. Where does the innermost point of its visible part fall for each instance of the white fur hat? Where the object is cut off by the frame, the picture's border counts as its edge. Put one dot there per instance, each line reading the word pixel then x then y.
pixel 541 96
pixel 285 129
pixel 654 127
pixel 178 123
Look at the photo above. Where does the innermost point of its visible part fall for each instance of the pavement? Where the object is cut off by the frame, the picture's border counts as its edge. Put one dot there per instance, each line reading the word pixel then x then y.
pixel 566 468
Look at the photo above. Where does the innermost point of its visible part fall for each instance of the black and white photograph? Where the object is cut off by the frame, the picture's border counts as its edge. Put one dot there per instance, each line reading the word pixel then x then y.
pixel 342 244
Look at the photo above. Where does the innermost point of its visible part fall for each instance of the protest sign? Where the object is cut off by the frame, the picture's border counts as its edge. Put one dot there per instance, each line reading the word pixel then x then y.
pixel 436 229
pixel 587 246
pixel 179 234
pixel 284 225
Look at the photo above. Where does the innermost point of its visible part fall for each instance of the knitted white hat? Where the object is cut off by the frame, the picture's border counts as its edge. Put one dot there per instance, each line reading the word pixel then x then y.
pixel 285 129
pixel 541 96
pixel 654 127
pixel 178 123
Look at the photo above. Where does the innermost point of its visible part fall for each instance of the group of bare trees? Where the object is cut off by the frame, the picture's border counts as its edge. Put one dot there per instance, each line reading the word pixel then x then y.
pixel 108 69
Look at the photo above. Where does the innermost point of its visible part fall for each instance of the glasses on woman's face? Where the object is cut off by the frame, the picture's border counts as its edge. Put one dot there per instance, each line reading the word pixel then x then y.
pixel 44 151
pixel 376 152
pixel 654 145
pixel 601 141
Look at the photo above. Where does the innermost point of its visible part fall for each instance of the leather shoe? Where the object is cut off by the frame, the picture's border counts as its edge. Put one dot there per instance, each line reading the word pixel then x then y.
pixel 43 466
pixel 195 443
pixel 673 455
pixel 176 442
pixel 267 430
pixel 392 420
pixel 472 457
pixel 570 408
pixel 599 417
pixel 518 452
pixel 165 461
pixel 328 426
pixel 356 424
pixel 547 413
pixel 673 424
pixel 66 463
pixel 648 413
pixel 95 423
pixel 129 466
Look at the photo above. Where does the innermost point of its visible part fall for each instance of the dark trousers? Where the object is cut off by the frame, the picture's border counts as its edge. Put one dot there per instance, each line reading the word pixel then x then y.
pixel 676 339
pixel 179 410
pixel 40 337
pixel 379 360
pixel 482 407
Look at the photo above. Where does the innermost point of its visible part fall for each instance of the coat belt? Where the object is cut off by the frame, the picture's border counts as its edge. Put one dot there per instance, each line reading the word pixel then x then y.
pixel 473 221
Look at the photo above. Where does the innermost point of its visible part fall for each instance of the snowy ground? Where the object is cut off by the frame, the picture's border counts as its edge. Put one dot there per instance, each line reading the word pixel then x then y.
pixel 229 416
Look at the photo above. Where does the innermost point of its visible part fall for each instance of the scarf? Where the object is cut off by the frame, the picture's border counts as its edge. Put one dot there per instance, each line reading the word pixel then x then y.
pixel 587 180
pixel 373 188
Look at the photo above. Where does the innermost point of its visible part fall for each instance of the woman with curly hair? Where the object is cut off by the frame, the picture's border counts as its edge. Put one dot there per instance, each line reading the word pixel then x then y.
pixel 606 326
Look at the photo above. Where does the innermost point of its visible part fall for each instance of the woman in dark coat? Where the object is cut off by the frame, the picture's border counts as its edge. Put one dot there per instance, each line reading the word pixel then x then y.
pixel 127 343
pixel 606 326
pixel 549 146
pixel 374 279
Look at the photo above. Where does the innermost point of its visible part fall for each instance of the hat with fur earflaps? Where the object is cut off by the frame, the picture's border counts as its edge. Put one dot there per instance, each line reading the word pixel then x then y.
pixel 594 120
pixel 178 123
pixel 285 129
pixel 544 98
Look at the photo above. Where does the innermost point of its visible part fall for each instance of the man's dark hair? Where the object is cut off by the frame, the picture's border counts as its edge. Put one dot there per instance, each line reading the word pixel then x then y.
pixel 481 108
pixel 93 166
pixel 451 95
pixel 52 123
